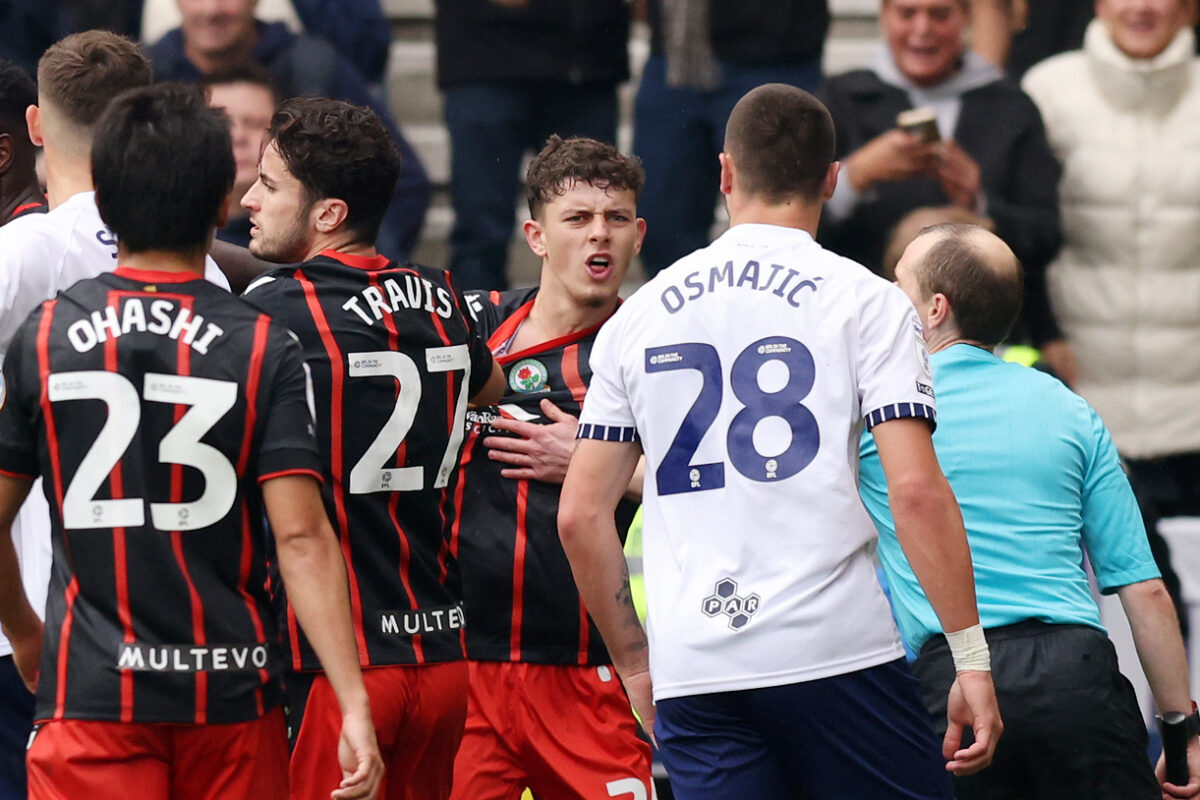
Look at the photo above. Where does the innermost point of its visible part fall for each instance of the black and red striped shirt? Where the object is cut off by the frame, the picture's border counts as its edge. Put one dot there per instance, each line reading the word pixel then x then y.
pixel 28 208
pixel 152 404
pixel 393 359
pixel 521 600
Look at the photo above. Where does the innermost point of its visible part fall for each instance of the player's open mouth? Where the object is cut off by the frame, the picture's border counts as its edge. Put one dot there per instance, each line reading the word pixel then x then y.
pixel 599 266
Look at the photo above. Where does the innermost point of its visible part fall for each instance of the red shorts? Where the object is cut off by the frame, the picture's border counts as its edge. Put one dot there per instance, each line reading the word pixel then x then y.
pixel 72 759
pixel 418 713
pixel 562 731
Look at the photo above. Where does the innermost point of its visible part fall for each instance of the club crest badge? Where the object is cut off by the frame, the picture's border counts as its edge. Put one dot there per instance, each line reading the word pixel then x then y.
pixel 527 376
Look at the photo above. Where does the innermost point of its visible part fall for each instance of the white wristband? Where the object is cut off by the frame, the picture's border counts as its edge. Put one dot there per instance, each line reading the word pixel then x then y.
pixel 969 649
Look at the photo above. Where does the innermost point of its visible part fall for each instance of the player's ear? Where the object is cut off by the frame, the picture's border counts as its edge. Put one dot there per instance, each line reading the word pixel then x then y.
pixel 33 121
pixel 535 237
pixel 223 211
pixel 328 214
pixel 6 152
pixel 641 235
pixel 830 182
pixel 727 171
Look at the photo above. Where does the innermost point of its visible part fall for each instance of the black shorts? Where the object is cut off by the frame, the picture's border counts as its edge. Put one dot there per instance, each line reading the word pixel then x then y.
pixel 1072 726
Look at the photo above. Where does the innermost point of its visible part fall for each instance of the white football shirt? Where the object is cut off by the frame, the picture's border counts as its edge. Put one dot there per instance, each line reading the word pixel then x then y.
pixel 40 255
pixel 748 370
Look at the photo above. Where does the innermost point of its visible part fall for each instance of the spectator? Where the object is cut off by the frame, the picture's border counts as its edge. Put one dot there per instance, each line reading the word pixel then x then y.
pixel 357 28
pixel 219 36
pixel 704 55
pixel 1037 478
pixel 248 97
pixel 992 157
pixel 28 27
pixel 513 72
pixel 1123 116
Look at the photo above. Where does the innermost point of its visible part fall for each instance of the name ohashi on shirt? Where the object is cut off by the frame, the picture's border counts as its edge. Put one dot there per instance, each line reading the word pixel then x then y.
pixel 752 277
pixel 159 316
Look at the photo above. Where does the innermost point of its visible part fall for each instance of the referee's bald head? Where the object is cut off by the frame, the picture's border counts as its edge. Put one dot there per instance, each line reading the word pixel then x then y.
pixel 977 272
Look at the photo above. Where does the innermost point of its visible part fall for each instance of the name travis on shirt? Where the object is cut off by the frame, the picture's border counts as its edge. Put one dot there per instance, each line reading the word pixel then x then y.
pixel 192 658
pixel 421 620
pixel 752 276
pixel 159 316
pixel 417 293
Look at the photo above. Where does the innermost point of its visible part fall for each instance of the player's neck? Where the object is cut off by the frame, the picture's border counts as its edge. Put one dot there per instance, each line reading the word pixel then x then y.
pixel 162 260
pixel 939 339
pixel 792 214
pixel 66 176
pixel 343 243
pixel 555 314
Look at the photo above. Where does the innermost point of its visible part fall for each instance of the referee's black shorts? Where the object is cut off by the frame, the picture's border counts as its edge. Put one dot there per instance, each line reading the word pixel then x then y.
pixel 1072 726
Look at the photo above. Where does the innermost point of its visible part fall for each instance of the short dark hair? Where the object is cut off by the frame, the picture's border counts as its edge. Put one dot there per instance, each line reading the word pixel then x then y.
pixel 563 162
pixel 782 141
pixel 80 74
pixel 251 73
pixel 150 196
pixel 339 150
pixel 984 297
pixel 17 93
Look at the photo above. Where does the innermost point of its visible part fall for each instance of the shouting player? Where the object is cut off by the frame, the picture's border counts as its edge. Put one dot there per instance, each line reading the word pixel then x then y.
pixel 157 407
pixel 745 372
pixel 546 710
pixel 394 360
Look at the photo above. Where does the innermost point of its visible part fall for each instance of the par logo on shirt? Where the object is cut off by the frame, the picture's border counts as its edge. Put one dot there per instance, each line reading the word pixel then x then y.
pixel 527 376
pixel 725 600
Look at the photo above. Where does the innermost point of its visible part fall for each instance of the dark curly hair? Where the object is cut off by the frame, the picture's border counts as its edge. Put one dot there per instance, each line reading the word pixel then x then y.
pixel 563 162
pixel 17 93
pixel 339 150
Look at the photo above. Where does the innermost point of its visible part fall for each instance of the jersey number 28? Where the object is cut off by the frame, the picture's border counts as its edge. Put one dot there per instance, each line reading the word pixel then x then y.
pixel 677 474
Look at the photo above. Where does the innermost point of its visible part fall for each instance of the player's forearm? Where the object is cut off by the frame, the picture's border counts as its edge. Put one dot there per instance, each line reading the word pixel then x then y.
pixel 315 575
pixel 1159 643
pixel 602 576
pixel 930 530
pixel 17 616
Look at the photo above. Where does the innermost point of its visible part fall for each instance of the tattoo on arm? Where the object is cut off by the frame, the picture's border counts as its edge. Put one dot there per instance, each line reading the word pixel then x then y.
pixel 624 598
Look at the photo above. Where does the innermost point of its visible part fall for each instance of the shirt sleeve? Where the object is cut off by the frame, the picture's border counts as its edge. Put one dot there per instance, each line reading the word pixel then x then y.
pixel 288 436
pixel 894 376
pixel 608 414
pixel 481 356
pixel 1113 530
pixel 18 422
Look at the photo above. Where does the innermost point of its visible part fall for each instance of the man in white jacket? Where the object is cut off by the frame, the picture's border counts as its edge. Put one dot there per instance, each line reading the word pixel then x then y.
pixel 1123 117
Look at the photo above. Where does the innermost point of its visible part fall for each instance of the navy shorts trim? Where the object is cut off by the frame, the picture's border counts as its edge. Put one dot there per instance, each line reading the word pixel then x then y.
pixel 864 735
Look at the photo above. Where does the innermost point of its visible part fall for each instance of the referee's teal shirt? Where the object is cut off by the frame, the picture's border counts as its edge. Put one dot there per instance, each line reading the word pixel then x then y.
pixel 1038 480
